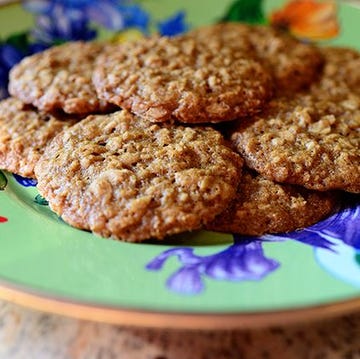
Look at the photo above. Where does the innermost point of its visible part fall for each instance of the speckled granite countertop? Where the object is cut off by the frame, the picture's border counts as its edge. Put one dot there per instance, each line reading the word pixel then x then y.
pixel 26 334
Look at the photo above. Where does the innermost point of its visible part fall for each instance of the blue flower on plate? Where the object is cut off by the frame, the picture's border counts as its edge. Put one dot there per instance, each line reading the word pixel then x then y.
pixel 174 25
pixel 59 21
pixel 24 181
pixel 133 16
pixel 59 24
pixel 9 56
pixel 245 259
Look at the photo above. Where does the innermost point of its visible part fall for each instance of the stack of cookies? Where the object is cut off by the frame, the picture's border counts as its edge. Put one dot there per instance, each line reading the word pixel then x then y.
pixel 232 128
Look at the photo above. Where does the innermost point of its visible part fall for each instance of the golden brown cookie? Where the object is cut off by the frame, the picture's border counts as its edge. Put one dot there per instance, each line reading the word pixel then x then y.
pixel 123 177
pixel 59 78
pixel 311 139
pixel 24 132
pixel 163 79
pixel 342 67
pixel 293 64
pixel 262 206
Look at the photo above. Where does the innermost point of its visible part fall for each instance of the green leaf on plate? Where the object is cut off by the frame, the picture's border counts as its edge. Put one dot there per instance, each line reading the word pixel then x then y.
pixel 41 200
pixel 3 181
pixel 249 11
pixel 357 258
pixel 19 40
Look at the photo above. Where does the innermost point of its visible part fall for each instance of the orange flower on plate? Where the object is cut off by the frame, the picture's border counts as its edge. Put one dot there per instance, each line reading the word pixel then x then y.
pixel 308 19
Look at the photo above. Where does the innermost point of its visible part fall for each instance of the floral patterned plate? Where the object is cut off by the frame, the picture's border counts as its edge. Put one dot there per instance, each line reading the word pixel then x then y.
pixel 197 280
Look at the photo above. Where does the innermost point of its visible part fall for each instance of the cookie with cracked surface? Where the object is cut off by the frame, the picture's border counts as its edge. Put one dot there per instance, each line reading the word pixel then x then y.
pixel 123 177
pixel 307 140
pixel 163 79
pixel 24 133
pixel 263 206
pixel 294 65
pixel 59 78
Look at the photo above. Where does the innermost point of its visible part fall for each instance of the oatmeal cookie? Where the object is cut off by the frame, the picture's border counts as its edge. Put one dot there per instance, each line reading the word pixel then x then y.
pixel 163 79
pixel 342 65
pixel 263 206
pixel 309 140
pixel 123 177
pixel 294 65
pixel 59 78
pixel 341 72
pixel 24 132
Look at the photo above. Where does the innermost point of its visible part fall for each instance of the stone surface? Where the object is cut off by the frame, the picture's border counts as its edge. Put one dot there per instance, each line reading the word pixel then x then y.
pixel 28 334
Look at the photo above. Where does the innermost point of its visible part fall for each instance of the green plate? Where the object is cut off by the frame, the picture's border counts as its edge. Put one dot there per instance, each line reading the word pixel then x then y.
pixel 197 280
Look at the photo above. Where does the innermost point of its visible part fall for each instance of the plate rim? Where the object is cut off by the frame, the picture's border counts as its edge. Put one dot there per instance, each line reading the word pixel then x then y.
pixel 111 314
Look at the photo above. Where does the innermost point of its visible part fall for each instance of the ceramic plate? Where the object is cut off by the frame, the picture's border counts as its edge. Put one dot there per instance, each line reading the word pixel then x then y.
pixel 197 280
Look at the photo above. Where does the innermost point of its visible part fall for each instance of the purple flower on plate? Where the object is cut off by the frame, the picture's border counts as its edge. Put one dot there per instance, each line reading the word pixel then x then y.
pixel 245 259
pixel 174 25
pixel 344 225
pixel 24 181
